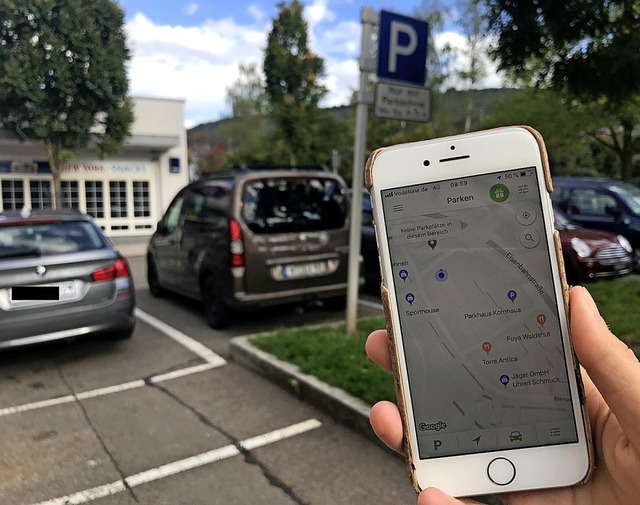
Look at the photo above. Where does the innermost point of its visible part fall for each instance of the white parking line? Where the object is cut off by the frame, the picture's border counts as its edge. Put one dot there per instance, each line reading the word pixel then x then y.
pixel 184 464
pixel 193 345
pixel 212 361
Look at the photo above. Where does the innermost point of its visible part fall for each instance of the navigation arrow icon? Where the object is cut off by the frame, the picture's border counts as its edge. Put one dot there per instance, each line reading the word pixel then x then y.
pixel 477 440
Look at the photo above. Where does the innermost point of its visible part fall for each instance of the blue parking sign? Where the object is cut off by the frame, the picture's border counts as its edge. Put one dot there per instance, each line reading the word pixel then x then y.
pixel 402 48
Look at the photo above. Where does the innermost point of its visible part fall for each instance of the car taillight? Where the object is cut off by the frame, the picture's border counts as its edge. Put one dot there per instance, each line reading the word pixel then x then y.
pixel 119 269
pixel 236 245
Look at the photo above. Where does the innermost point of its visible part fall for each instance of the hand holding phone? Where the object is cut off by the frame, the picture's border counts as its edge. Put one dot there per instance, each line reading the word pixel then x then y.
pixel 613 410
pixel 489 392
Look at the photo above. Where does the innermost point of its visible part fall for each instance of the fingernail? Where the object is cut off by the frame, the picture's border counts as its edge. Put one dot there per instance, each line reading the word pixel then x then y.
pixel 589 299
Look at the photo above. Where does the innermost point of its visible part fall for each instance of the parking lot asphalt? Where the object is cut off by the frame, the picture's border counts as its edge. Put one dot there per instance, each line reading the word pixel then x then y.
pixel 167 418
pixel 342 406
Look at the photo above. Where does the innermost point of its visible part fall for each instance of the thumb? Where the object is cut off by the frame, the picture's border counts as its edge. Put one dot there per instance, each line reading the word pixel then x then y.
pixel 433 496
pixel 611 365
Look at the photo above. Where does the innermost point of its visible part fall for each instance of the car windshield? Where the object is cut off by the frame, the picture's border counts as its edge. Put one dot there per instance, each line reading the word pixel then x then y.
pixel 273 205
pixel 48 238
pixel 629 194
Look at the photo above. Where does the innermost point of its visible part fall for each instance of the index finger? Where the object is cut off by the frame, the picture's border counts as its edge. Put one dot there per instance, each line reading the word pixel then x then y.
pixel 611 365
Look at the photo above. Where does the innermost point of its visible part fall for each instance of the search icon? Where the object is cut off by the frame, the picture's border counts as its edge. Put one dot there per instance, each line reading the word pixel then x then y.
pixel 530 239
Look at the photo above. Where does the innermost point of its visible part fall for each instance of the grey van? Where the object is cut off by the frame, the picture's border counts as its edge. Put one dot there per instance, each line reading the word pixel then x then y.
pixel 252 239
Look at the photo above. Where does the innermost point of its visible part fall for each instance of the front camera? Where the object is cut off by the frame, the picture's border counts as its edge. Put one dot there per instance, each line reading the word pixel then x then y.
pixel 453 148
pixel 426 163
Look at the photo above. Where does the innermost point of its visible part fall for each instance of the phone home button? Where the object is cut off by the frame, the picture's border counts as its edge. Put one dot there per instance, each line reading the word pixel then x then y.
pixel 501 471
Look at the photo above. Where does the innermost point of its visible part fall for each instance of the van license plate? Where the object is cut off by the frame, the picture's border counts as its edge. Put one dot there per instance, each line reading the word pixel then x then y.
pixel 301 270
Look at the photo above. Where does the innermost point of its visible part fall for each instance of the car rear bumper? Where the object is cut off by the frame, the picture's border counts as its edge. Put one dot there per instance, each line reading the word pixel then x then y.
pixel 115 316
pixel 243 300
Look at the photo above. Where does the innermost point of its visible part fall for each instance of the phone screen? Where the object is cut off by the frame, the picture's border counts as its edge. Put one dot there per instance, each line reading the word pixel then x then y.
pixel 478 314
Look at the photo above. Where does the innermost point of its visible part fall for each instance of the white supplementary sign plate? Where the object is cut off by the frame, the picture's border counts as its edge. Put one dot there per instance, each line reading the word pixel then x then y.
pixel 408 103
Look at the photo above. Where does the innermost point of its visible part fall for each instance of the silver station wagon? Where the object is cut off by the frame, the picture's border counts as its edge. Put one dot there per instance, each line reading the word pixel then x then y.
pixel 60 277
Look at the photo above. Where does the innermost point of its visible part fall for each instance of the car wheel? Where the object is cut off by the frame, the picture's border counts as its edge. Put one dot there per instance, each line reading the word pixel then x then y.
pixel 215 309
pixel 155 288
pixel 335 302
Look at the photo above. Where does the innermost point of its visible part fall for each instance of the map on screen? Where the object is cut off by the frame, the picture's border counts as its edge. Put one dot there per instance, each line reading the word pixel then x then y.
pixel 478 316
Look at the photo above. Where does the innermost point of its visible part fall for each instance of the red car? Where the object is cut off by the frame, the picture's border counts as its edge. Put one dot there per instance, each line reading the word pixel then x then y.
pixel 591 254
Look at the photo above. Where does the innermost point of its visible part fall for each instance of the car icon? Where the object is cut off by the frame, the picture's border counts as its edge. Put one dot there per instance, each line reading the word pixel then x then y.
pixel 515 436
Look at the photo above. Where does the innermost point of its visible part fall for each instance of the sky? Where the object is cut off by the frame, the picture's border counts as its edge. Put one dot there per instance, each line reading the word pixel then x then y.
pixel 192 50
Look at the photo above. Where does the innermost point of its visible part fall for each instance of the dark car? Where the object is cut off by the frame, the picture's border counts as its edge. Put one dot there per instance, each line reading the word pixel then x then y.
pixel 369 248
pixel 603 204
pixel 251 239
pixel 60 277
pixel 591 254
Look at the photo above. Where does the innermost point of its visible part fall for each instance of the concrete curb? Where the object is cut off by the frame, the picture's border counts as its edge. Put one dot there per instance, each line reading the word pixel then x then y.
pixel 336 402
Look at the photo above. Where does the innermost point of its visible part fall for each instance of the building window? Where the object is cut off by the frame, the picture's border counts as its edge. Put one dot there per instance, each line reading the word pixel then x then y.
pixel 174 165
pixel 93 198
pixel 118 198
pixel 40 194
pixel 70 196
pixel 12 194
pixel 141 203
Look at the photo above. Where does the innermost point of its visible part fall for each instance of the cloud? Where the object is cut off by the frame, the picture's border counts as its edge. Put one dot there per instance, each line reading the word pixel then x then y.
pixel 256 12
pixel 195 63
pixel 199 63
pixel 191 9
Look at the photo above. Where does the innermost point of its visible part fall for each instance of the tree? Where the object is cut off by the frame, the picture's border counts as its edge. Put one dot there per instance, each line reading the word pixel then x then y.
pixel 588 50
pixel 472 21
pixel 292 75
pixel 561 124
pixel 246 96
pixel 438 59
pixel 64 82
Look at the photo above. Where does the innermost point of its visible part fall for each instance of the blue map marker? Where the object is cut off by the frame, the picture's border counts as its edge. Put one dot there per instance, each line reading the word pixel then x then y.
pixel 512 295
pixel 403 274
pixel 504 380
pixel 410 298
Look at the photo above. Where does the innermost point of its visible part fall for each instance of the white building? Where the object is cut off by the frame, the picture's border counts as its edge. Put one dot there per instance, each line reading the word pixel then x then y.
pixel 126 193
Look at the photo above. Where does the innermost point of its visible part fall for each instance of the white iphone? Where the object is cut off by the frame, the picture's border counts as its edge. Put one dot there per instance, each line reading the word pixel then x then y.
pixel 476 306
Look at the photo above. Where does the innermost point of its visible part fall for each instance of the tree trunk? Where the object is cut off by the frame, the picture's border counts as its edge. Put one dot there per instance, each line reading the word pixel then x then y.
pixel 56 161
pixel 626 153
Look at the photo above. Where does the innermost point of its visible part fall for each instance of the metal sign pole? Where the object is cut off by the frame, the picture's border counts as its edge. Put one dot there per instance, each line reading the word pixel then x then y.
pixel 369 19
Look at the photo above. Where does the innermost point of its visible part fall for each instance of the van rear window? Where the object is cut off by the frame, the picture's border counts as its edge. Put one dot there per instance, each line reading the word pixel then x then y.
pixel 280 205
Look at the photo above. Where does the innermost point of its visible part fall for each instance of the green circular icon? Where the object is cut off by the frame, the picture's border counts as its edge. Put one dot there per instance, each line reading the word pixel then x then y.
pixel 499 193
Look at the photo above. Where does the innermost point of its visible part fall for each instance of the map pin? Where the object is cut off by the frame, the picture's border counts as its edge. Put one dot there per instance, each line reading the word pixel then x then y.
pixel 403 274
pixel 541 319
pixel 410 298
pixel 486 347
pixel 504 380
pixel 512 295
pixel 432 244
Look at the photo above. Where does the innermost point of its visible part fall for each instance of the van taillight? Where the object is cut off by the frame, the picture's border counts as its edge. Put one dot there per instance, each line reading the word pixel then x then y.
pixel 236 245
pixel 118 269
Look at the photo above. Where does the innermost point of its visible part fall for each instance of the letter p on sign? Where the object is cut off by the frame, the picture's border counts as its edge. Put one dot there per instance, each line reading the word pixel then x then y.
pixel 395 49
pixel 402 48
